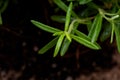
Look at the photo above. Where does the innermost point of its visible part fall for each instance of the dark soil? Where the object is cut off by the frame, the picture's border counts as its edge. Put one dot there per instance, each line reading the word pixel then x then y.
pixel 20 41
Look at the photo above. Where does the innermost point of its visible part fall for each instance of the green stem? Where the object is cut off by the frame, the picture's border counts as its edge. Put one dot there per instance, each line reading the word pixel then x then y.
pixel 112 32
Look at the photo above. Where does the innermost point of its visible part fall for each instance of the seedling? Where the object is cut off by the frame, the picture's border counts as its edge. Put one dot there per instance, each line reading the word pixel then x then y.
pixel 95 24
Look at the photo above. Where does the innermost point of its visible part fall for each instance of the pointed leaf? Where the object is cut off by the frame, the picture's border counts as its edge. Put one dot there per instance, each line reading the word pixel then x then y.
pixel 96 28
pixel 58 45
pixel 64 7
pixel 117 35
pixel 92 27
pixel 86 42
pixel 84 36
pixel 60 19
pixel 48 46
pixel 68 15
pixel 80 34
pixel 45 27
pixel 64 47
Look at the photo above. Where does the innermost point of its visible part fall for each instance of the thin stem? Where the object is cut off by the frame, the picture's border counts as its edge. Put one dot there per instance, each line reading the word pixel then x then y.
pixel 112 33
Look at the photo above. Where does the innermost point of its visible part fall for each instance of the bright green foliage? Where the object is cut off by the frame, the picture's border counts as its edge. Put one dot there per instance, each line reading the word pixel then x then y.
pixel 48 46
pixel 45 27
pixel 58 45
pixel 92 17
pixel 56 32
pixel 65 46
pixel 95 28
pixel 85 42
pixel 68 15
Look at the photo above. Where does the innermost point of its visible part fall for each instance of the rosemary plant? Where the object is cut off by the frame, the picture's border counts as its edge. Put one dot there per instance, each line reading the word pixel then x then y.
pixel 102 23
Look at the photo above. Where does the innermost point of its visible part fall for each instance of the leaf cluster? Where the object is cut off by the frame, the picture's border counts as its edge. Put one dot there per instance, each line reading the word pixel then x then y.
pixel 103 22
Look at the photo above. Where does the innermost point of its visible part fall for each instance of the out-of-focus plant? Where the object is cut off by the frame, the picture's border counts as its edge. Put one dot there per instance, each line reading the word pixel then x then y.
pixel 3 6
pixel 102 19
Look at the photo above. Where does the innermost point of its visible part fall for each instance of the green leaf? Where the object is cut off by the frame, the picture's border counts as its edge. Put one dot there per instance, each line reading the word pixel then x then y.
pixel 64 7
pixel 58 45
pixel 45 27
pixel 4 6
pixel 106 32
pixel 57 18
pixel 0 19
pixel 58 33
pixel 68 15
pixel 64 47
pixel 61 4
pixel 85 42
pixel 66 42
pixel 48 46
pixel 80 34
pixel 92 27
pixel 68 36
pixel 84 1
pixel 96 28
pixel 117 34
pixel 84 36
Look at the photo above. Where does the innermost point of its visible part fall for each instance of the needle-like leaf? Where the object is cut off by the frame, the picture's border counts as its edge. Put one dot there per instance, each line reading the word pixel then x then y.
pixel 96 28
pixel 68 15
pixel 117 35
pixel 80 34
pixel 58 18
pixel 85 42
pixel 66 41
pixel 58 45
pixel 84 36
pixel 65 46
pixel 48 46
pixel 64 7
pixel 45 27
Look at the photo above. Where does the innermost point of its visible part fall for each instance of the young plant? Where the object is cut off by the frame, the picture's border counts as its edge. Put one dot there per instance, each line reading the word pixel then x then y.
pixel 95 24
